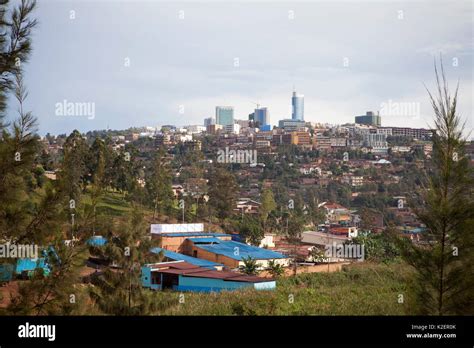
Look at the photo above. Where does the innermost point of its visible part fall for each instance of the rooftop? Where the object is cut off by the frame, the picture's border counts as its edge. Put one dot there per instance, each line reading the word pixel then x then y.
pixel 185 269
pixel 188 259
pixel 235 250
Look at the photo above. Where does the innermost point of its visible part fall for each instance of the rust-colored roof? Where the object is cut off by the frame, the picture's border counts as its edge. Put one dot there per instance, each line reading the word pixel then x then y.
pixel 187 270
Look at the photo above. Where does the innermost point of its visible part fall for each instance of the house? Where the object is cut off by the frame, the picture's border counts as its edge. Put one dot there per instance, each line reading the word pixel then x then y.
pixel 172 256
pixel 353 180
pixel 183 276
pixel 247 206
pixel 231 253
pixel 336 213
pixel 349 232
pixel 172 236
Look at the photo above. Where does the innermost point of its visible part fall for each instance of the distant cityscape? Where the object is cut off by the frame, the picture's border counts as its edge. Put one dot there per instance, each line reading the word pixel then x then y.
pixel 257 131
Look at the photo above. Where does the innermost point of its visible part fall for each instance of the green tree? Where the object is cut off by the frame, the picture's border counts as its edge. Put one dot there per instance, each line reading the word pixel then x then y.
pixel 250 266
pixel 267 206
pixel 56 293
pixel 275 269
pixel 222 192
pixel 73 169
pixel 251 231
pixel 97 172
pixel 444 264
pixel 120 292
pixel 158 185
pixel 295 227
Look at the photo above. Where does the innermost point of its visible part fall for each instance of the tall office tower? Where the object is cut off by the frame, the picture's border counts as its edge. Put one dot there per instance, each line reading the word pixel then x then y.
pixel 209 121
pixel 369 119
pixel 262 116
pixel 224 115
pixel 297 103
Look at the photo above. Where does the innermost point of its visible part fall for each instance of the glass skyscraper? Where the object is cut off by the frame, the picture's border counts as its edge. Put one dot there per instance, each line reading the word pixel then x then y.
pixel 297 103
pixel 262 116
pixel 225 115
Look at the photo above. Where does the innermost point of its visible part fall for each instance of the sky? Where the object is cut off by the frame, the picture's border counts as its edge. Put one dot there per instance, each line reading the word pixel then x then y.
pixel 151 63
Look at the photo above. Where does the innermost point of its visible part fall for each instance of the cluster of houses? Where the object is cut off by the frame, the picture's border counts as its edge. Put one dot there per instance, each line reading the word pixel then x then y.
pixel 198 260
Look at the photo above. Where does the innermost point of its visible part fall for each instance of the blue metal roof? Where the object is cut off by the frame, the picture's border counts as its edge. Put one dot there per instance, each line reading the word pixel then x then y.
pixel 204 240
pixel 238 251
pixel 192 260
pixel 192 234
pixel 97 241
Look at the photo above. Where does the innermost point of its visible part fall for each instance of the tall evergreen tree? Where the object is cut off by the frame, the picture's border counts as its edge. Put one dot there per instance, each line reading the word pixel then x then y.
pixel 158 184
pixel 444 264
pixel 268 205
pixel 120 291
pixel 19 142
pixel 222 192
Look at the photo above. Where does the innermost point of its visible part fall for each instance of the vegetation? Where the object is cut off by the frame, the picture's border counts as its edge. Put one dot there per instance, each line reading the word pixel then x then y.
pixel 366 289
pixel 444 264
pixel 250 266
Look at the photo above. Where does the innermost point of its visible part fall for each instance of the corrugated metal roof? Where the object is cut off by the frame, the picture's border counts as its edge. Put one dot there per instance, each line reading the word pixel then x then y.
pixel 205 240
pixel 192 234
pixel 192 260
pixel 188 270
pixel 238 251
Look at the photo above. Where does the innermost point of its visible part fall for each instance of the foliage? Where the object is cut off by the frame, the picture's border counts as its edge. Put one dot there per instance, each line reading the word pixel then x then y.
pixel 222 192
pixel 275 269
pixel 250 266
pixel 251 231
pixel 444 262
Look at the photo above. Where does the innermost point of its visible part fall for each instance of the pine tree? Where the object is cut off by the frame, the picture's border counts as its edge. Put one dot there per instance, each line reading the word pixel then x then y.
pixel 158 185
pixel 18 143
pixel 119 291
pixel 57 293
pixel 222 192
pixel 267 206
pixel 444 264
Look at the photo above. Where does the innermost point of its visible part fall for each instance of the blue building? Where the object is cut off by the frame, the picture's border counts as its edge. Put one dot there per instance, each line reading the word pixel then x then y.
pixel 183 276
pixel 225 115
pixel 231 253
pixel 172 256
pixel 261 117
pixel 297 103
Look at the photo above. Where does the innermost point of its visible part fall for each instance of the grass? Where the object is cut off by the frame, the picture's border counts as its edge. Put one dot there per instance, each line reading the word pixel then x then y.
pixel 110 203
pixel 360 289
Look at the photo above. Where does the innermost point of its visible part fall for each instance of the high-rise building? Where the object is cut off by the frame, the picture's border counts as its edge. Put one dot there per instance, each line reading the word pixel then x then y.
pixel 370 119
pixel 208 121
pixel 261 116
pixel 224 115
pixel 297 103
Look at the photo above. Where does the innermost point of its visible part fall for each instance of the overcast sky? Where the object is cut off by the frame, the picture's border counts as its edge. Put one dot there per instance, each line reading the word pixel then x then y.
pixel 346 57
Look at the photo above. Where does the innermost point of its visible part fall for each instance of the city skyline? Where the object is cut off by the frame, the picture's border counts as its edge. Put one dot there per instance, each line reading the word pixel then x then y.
pixel 177 64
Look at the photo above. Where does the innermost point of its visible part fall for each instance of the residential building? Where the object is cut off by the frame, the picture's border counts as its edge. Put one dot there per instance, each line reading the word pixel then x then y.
pixel 184 276
pixel 231 253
